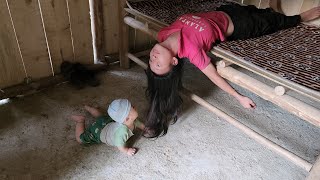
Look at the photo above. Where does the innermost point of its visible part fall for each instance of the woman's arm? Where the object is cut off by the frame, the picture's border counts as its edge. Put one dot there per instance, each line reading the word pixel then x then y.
pixel 211 72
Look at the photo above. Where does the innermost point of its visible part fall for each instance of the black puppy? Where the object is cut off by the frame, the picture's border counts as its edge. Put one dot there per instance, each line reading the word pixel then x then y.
pixel 78 75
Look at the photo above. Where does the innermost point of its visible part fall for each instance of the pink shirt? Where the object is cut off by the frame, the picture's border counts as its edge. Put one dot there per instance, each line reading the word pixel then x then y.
pixel 197 33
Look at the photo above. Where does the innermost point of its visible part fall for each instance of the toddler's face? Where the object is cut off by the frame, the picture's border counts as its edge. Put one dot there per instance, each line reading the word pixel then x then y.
pixel 133 114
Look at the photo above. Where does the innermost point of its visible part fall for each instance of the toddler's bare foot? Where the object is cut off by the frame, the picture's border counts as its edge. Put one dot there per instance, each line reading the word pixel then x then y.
pixel 311 14
pixel 78 118
pixel 131 151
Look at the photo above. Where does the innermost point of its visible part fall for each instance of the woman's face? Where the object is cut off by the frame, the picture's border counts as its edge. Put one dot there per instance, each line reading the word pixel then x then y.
pixel 161 60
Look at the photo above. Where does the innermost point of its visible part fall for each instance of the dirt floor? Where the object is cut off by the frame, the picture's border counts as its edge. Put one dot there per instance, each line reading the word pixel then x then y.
pixel 38 142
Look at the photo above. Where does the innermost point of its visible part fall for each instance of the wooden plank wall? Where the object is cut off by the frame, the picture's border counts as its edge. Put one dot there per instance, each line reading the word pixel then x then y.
pixel 37 35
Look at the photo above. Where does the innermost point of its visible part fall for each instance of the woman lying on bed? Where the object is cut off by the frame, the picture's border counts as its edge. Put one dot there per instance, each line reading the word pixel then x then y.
pixel 191 36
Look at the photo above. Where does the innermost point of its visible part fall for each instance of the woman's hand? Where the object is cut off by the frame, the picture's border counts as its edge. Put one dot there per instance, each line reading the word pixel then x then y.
pixel 211 72
pixel 246 102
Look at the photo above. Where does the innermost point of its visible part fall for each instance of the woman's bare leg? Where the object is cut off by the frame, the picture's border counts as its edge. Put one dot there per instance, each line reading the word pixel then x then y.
pixel 311 14
pixel 80 126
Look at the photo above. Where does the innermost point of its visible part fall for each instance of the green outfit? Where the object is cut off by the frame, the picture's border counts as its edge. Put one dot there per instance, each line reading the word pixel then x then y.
pixel 105 130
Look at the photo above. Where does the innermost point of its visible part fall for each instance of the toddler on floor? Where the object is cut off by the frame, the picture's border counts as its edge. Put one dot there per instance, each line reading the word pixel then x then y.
pixel 114 129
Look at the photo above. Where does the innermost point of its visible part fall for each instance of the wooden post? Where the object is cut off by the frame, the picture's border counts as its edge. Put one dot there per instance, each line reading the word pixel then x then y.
pixel 96 13
pixel 123 36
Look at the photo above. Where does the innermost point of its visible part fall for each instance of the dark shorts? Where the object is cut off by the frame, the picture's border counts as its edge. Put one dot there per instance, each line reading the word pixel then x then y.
pixel 92 133
pixel 251 22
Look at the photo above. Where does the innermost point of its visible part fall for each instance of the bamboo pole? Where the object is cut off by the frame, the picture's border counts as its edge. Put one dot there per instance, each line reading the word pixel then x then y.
pixel 137 60
pixel 141 26
pixel 287 102
pixel 254 135
pixel 96 15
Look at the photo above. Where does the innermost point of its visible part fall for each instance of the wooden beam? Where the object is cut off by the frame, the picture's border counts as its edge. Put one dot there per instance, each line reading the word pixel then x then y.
pixel 123 36
pixel 286 102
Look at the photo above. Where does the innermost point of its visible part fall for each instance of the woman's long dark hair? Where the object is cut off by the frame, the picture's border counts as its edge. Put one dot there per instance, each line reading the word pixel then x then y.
pixel 164 99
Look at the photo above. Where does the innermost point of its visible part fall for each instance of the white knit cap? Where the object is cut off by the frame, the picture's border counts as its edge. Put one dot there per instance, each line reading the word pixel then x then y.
pixel 119 110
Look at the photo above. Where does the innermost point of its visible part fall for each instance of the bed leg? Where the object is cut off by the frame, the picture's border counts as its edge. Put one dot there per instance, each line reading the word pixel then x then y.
pixel 123 37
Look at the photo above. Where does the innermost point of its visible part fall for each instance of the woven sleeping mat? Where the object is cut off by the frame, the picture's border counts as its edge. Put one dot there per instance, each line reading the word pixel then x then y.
pixel 293 54
pixel 167 11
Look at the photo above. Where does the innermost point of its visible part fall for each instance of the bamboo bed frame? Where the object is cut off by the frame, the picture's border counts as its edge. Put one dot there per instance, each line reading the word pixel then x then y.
pixel 277 94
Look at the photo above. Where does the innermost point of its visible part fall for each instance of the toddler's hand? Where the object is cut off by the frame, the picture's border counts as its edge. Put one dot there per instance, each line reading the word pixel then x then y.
pixel 131 151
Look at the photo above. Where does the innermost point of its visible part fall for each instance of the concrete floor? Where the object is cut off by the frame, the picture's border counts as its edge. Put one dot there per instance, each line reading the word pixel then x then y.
pixel 37 138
